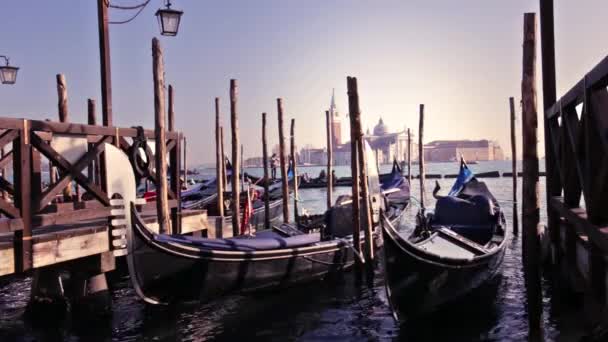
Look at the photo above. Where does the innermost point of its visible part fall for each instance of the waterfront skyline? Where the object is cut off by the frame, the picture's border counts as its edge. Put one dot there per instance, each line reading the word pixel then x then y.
pixel 403 54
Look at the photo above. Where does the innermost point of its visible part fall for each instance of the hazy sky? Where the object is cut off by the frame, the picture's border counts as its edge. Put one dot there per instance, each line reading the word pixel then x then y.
pixel 462 59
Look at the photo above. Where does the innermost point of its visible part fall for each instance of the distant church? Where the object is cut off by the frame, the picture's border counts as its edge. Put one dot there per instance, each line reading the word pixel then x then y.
pixel 386 145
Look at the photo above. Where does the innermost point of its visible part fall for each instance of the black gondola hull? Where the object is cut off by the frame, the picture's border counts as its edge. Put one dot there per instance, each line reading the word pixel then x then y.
pixel 418 284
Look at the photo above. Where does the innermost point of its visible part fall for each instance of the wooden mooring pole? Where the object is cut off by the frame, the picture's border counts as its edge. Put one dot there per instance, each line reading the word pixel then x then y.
pixel 530 200
pixel 294 161
pixel 553 184
pixel 162 205
pixel 421 155
pixel 219 160
pixel 93 169
pixel 354 165
pixel 355 114
pixel 224 175
pixel 236 163
pixel 284 179
pixel 330 180
pixel 266 177
pixel 62 107
pixel 409 157
pixel 514 166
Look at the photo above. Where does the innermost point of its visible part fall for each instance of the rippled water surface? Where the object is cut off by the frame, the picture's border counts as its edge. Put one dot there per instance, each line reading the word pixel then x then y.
pixel 334 309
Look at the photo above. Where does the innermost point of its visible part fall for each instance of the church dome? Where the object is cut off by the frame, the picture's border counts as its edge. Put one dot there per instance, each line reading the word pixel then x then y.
pixel 381 128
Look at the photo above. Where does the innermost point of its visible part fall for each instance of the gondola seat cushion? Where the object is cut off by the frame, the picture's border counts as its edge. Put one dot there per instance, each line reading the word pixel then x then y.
pixel 473 218
pixel 243 244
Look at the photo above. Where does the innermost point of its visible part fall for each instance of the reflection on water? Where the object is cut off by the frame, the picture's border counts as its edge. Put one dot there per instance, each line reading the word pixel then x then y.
pixel 334 309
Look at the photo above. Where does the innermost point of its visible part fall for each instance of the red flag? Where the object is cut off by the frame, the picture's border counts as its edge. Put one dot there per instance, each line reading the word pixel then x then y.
pixel 247 213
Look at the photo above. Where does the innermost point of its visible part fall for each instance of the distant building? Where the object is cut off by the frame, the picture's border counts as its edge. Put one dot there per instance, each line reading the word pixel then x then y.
pixel 313 156
pixel 254 162
pixel 471 150
pixel 386 145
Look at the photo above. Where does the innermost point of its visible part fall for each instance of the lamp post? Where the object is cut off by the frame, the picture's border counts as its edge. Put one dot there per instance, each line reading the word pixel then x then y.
pixel 8 74
pixel 168 20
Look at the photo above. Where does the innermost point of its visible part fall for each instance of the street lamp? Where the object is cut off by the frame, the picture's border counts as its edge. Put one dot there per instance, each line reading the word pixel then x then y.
pixel 168 20
pixel 8 74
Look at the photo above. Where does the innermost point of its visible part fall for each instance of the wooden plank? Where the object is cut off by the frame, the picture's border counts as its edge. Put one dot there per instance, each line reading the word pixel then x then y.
pixel 421 155
pixel 578 217
pixel 266 177
pixel 513 165
pixel 354 169
pixel 7 261
pixel 82 129
pixel 69 248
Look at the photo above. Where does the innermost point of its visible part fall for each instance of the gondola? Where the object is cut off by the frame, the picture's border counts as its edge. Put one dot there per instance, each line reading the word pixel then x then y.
pixel 321 181
pixel 165 268
pixel 451 251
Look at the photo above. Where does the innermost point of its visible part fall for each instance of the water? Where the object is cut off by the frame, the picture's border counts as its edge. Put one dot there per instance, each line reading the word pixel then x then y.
pixel 324 310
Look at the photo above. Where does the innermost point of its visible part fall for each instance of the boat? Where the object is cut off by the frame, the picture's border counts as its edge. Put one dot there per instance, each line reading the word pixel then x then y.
pixel 321 181
pixel 450 252
pixel 166 268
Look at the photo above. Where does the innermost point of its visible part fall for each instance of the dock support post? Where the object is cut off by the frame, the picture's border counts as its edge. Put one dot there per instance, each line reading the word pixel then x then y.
pixel 47 299
pixel 530 200
pixel 514 166
pixel 88 288
pixel 160 137
pixel 236 163
pixel 294 170
pixel 219 160
pixel 354 164
pixel 330 180
pixel 266 178
pixel 552 181
pixel 421 155
pixel 284 180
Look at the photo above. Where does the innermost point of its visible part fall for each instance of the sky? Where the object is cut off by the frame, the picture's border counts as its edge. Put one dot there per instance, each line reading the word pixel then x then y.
pixel 462 59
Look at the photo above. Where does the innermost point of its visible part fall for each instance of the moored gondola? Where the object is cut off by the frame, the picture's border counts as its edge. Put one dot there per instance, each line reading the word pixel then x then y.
pixel 450 252
pixel 164 267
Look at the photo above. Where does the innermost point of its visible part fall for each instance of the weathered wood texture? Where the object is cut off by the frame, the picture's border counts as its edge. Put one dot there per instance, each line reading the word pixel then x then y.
pixel 266 176
pixel 354 165
pixel 93 169
pixel 514 165
pixel 159 128
pixel 330 180
pixel 219 160
pixel 355 113
pixel 421 155
pixel 105 65
pixel 294 162
pixel 553 186
pixel 530 185
pixel 62 110
pixel 283 162
pixel 236 163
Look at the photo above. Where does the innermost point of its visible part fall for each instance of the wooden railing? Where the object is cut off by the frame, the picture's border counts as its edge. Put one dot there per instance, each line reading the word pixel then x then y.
pixel 578 129
pixel 28 203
